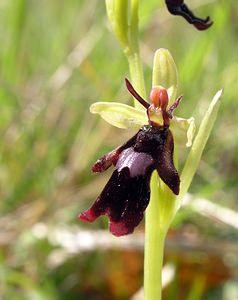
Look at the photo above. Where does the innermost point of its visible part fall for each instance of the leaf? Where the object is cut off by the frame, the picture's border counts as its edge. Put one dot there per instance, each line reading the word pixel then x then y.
pixel 199 143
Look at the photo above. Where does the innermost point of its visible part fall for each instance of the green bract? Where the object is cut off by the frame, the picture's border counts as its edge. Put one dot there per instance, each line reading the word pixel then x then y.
pixel 199 144
pixel 118 16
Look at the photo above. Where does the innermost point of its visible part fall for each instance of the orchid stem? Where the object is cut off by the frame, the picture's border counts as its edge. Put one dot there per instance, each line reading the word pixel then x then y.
pixel 124 19
pixel 123 16
pixel 154 236
pixel 154 246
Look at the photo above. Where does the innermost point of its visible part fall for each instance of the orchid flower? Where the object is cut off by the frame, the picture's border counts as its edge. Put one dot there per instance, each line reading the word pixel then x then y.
pixel 178 7
pixel 127 193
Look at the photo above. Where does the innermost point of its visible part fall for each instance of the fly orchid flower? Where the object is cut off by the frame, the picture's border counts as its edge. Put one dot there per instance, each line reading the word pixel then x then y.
pixel 178 7
pixel 127 193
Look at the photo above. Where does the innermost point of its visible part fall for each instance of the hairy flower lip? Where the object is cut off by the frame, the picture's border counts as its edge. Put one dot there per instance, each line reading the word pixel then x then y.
pixel 126 195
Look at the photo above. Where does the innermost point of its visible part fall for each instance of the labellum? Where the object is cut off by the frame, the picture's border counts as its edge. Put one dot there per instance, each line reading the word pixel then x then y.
pixel 127 193
pixel 178 7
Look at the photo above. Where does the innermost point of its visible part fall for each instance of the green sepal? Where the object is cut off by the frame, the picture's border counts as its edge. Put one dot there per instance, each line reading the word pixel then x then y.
pixel 120 115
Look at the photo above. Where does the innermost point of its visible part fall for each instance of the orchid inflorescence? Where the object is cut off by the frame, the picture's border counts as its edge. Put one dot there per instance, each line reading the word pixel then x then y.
pixel 127 193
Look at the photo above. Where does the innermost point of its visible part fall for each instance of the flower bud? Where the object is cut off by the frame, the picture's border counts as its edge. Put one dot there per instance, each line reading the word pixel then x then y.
pixel 117 12
pixel 165 73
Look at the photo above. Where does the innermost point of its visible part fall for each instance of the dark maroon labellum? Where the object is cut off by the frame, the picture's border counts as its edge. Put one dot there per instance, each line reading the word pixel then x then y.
pixel 127 193
pixel 178 7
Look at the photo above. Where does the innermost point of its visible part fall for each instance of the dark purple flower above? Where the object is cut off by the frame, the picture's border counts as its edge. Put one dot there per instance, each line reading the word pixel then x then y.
pixel 178 7
pixel 127 193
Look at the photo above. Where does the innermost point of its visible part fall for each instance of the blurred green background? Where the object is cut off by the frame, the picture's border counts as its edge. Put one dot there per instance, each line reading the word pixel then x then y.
pixel 57 58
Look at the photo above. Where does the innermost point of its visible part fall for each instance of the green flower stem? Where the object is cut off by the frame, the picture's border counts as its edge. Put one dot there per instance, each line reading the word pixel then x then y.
pixel 160 211
pixel 154 246
pixel 154 233
pixel 123 16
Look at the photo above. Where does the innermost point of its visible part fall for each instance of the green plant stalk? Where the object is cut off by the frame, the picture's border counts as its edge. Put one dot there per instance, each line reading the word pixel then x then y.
pixel 162 202
pixel 158 215
pixel 154 234
pixel 154 246
pixel 160 211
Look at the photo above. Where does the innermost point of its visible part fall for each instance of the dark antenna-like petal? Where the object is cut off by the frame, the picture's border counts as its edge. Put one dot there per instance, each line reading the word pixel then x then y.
pixel 136 95
pixel 174 106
